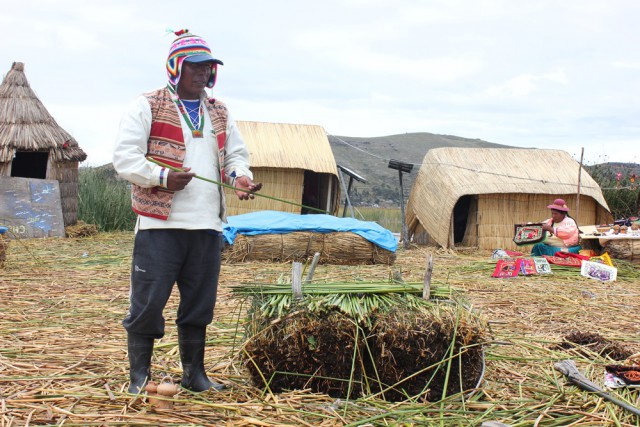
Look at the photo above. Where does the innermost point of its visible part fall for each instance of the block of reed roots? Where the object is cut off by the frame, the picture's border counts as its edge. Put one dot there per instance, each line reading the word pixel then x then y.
pixel 4 246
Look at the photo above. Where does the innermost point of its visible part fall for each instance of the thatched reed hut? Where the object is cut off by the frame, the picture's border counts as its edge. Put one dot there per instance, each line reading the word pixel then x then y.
pixel 33 145
pixel 294 162
pixel 474 196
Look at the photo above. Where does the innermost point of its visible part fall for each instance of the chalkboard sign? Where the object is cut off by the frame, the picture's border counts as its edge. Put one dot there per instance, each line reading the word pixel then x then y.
pixel 30 207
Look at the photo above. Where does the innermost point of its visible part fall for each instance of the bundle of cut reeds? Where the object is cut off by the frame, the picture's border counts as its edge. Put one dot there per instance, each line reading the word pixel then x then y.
pixel 340 248
pixel 4 245
pixel 81 229
pixel 626 249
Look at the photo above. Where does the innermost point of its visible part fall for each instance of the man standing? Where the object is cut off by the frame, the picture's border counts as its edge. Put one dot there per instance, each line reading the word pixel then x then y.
pixel 178 229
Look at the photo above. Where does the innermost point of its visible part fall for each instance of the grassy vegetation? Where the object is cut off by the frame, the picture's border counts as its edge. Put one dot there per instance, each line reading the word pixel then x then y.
pixel 104 201
pixel 622 196
pixel 389 218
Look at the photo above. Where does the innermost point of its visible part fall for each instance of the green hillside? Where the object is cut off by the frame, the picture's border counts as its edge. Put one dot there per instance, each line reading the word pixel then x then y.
pixel 369 158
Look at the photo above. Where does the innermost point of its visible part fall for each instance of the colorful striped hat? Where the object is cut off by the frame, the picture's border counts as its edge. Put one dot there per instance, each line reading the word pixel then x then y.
pixel 192 48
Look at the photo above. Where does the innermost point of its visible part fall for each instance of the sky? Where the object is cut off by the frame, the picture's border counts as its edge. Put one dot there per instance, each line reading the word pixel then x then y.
pixel 541 74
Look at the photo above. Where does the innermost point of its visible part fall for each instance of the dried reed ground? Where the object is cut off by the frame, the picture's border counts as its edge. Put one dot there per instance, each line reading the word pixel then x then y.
pixel 63 359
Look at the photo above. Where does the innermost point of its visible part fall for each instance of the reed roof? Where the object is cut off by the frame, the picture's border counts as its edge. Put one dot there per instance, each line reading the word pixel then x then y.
pixel 291 146
pixel 26 125
pixel 449 173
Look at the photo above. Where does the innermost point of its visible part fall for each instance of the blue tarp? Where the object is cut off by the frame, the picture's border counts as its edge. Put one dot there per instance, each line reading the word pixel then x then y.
pixel 272 222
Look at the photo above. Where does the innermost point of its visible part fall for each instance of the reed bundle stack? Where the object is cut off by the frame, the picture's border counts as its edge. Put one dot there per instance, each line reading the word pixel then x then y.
pixel 4 245
pixel 626 249
pixel 340 248
pixel 382 341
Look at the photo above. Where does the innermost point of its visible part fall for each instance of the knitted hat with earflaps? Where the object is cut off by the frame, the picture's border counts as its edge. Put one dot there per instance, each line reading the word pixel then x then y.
pixel 192 48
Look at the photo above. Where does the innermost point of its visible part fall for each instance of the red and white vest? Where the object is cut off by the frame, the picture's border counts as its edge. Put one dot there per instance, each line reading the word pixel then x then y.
pixel 166 144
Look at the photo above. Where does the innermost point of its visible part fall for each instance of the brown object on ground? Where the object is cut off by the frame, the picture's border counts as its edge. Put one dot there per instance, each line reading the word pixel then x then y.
pixel 627 249
pixel 81 229
pixel 339 248
pixel 413 355
pixel 595 343
pixel 160 395
pixel 4 245
pixel 406 353
pixel 303 350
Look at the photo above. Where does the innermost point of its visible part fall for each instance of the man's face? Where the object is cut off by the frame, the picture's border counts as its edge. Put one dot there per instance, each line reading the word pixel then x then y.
pixel 194 76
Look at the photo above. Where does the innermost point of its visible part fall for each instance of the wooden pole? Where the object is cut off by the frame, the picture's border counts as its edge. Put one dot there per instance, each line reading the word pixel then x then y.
pixel 344 211
pixel 312 268
pixel 579 184
pixel 426 290
pixel 575 377
pixel 296 280
pixel 452 235
pixel 347 200
pixel 405 232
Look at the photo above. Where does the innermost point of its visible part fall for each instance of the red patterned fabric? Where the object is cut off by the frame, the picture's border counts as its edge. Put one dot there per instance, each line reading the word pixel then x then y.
pixel 569 262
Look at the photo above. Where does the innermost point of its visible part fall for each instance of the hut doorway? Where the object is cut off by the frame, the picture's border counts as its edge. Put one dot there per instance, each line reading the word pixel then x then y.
pixel 317 192
pixel 461 218
pixel 30 164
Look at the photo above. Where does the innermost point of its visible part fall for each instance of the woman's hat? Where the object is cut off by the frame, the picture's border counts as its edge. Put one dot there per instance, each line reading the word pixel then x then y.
pixel 559 205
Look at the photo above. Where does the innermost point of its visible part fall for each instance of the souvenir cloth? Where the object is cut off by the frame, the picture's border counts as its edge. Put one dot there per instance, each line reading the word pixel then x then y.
pixel 499 253
pixel 504 253
pixel 513 267
pixel 528 234
pixel 568 262
pixel 622 376
pixel 527 266
pixel 506 268
pixel 598 271
pixel 562 254
pixel 542 265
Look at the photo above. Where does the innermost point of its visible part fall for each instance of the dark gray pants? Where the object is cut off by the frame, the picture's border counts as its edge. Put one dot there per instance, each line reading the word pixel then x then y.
pixel 162 257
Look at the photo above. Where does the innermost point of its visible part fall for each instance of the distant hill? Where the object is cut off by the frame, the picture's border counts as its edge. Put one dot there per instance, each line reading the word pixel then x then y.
pixel 369 158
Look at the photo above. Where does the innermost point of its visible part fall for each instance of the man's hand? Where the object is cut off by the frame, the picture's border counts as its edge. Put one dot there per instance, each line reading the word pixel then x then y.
pixel 245 183
pixel 176 181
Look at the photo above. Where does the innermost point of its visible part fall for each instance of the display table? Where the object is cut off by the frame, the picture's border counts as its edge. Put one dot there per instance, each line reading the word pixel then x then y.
pixel 619 246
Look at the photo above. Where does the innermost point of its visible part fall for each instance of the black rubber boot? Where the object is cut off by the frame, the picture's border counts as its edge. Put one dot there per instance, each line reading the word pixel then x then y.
pixel 191 342
pixel 140 351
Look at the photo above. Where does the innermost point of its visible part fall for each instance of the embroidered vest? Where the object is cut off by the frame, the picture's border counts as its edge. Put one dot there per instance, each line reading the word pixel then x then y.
pixel 166 144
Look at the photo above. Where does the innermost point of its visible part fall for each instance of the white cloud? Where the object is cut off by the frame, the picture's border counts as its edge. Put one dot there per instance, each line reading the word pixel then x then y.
pixel 526 84
pixel 633 65
pixel 536 74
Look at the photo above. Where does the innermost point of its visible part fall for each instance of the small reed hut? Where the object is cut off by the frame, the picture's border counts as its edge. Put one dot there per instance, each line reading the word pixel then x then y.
pixel 33 145
pixel 295 163
pixel 474 196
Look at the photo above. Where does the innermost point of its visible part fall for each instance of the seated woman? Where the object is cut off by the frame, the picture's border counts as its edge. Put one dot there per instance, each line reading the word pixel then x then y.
pixel 562 232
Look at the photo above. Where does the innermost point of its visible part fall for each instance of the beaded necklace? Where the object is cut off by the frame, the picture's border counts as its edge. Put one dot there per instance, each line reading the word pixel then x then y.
pixel 196 128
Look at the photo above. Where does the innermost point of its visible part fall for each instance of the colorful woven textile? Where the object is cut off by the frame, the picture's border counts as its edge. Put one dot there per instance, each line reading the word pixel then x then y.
pixel 569 262
pixel 528 234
